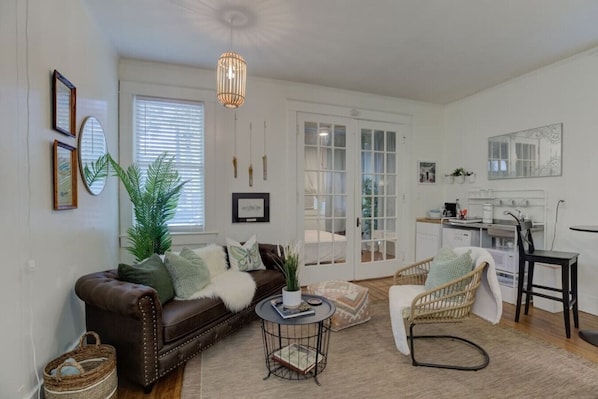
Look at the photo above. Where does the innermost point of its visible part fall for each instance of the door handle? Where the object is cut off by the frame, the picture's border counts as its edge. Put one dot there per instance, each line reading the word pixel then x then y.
pixel 358 223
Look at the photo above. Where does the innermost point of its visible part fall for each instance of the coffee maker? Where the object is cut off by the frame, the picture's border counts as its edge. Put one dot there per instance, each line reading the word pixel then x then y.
pixel 450 210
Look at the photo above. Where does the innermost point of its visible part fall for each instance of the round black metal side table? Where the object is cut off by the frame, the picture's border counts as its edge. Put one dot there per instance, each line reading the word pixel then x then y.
pixel 296 348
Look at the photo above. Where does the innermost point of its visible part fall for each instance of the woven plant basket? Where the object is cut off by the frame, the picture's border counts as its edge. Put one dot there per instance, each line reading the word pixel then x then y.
pixel 97 378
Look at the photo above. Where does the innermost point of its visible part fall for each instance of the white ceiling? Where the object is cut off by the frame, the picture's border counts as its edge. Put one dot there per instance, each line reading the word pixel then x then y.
pixel 436 51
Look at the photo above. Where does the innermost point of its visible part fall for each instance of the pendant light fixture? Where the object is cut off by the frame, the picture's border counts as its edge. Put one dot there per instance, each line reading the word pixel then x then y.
pixel 231 77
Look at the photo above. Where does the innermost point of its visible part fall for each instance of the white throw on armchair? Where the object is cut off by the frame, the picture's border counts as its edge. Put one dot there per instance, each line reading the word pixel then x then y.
pixel 477 291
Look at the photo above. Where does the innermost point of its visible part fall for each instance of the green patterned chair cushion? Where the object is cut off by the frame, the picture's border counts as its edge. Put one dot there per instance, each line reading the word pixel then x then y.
pixel 448 266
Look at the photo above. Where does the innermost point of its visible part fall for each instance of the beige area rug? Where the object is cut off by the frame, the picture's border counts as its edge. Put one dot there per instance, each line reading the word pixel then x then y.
pixel 364 363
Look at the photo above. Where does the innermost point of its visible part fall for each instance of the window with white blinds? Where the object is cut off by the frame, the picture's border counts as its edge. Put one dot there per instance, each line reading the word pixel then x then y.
pixel 176 127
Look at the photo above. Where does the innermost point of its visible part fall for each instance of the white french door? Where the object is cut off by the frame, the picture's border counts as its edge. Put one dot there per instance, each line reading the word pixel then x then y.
pixel 325 177
pixel 379 215
pixel 348 176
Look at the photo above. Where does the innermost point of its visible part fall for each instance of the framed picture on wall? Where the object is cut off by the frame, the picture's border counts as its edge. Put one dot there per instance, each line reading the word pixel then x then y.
pixel 251 207
pixel 65 176
pixel 426 172
pixel 64 105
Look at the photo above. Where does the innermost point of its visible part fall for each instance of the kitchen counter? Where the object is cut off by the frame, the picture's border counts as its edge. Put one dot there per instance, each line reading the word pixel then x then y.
pixel 428 220
pixel 497 224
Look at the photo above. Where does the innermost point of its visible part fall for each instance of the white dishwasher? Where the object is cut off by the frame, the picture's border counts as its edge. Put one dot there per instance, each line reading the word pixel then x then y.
pixel 453 237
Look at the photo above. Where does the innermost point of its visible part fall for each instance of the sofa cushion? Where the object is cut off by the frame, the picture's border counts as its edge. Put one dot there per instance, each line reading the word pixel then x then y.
pixel 188 272
pixel 244 257
pixel 180 318
pixel 150 272
pixel 214 257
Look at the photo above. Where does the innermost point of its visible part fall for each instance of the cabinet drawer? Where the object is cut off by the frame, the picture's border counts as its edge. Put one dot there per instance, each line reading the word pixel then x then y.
pixel 428 228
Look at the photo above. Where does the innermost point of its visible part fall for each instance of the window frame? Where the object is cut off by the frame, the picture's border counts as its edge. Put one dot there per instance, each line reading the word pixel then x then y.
pixel 128 91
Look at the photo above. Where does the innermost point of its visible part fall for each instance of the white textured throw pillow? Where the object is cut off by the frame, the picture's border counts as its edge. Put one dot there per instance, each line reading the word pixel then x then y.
pixel 244 257
pixel 214 257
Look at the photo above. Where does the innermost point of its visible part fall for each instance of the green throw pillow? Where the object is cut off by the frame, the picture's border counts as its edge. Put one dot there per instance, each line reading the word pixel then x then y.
pixel 150 272
pixel 188 272
pixel 448 266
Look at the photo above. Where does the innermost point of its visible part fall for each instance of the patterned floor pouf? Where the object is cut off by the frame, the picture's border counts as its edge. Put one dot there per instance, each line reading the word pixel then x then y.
pixel 351 301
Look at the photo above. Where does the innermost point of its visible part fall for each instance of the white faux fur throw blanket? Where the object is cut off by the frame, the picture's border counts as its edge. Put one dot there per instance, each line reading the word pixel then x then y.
pixel 487 305
pixel 236 289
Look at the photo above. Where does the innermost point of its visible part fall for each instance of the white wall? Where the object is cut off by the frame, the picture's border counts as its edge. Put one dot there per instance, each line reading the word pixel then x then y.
pixel 267 100
pixel 565 92
pixel 42 317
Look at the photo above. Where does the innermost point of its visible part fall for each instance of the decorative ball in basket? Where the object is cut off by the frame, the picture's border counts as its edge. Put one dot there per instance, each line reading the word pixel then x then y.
pixel 87 372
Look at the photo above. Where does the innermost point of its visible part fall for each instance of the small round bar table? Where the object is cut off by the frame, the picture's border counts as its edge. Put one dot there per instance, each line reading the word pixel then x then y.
pixel 296 348
pixel 590 336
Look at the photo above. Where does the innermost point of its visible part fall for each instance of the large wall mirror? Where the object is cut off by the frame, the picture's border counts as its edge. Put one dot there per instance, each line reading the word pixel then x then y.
pixel 529 153
pixel 92 148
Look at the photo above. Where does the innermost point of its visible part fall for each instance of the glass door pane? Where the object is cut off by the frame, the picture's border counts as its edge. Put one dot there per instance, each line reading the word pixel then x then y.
pixel 325 213
pixel 378 194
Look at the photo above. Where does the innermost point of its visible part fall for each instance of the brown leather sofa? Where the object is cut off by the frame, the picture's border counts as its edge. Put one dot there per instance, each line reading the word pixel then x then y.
pixel 153 339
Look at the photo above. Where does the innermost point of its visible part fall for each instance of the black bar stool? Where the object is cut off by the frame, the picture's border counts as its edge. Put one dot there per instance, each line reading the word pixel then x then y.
pixel 566 260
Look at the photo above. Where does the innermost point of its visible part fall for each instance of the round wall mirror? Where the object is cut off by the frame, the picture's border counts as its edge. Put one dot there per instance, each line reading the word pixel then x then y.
pixel 92 147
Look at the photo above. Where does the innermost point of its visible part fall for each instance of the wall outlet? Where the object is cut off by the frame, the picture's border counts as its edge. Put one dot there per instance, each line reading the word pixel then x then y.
pixel 31 266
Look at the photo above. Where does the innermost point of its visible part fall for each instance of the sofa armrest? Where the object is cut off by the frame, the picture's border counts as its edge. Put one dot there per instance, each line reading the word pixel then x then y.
pixel 127 316
pixel 105 291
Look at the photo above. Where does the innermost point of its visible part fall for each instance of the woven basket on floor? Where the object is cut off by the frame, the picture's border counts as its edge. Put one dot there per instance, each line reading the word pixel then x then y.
pixel 97 365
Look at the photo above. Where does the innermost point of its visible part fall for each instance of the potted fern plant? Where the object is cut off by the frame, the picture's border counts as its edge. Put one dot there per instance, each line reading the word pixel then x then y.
pixel 155 194
pixel 291 292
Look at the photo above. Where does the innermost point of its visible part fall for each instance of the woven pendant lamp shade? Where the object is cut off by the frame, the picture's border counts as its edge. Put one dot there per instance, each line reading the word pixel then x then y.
pixel 231 79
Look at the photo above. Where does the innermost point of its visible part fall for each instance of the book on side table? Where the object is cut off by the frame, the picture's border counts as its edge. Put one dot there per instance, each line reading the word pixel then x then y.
pixel 297 357
pixel 286 313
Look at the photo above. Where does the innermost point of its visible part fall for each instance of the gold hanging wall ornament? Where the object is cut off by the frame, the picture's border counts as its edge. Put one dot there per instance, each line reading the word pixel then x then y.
pixel 264 157
pixel 231 74
pixel 250 155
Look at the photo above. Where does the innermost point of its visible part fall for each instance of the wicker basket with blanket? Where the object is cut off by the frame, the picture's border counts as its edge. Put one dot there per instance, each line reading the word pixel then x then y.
pixel 88 371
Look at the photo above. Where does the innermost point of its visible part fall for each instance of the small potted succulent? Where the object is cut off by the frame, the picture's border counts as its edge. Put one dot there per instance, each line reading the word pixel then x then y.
pixel 291 292
pixel 459 175
pixel 470 176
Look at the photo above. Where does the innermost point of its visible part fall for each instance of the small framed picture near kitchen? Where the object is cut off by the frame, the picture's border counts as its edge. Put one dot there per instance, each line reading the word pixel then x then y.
pixel 251 207
pixel 426 172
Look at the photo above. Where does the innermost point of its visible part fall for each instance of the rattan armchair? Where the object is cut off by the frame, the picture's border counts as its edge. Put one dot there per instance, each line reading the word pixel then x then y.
pixel 449 303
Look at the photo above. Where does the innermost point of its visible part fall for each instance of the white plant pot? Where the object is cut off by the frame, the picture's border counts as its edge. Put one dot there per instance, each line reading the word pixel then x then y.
pixel 291 299
pixel 460 179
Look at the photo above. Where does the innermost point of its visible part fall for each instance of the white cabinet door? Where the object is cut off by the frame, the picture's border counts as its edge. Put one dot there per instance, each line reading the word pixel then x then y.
pixel 427 240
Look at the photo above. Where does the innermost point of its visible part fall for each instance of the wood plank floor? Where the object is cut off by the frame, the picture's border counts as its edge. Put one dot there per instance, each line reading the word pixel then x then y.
pixel 539 323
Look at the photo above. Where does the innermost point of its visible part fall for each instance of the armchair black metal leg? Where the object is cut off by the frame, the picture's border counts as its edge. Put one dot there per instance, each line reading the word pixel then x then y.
pixel 565 288
pixel 479 349
pixel 530 283
pixel 574 294
pixel 519 289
